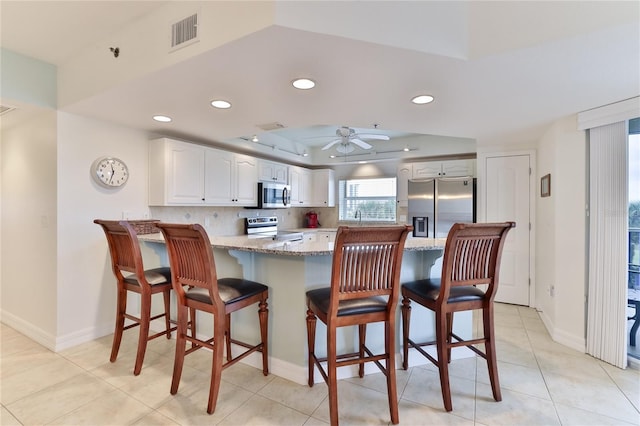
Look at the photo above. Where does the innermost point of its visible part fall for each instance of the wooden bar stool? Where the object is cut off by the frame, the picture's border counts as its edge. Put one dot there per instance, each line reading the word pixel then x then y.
pixel 471 257
pixel 364 289
pixel 197 287
pixel 126 262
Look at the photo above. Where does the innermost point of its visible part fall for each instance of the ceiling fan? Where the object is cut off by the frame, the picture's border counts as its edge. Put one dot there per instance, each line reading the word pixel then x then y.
pixel 346 136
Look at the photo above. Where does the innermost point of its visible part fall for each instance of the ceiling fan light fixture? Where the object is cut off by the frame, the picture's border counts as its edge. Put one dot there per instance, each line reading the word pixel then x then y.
pixel 162 118
pixel 303 83
pixel 220 104
pixel 345 148
pixel 422 99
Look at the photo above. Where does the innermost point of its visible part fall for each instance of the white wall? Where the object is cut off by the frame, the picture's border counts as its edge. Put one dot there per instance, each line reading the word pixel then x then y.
pixel 86 286
pixel 546 230
pixel 561 233
pixel 28 294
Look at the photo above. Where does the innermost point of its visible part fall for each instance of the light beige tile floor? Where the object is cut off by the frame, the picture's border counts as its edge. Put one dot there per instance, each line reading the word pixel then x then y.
pixel 543 383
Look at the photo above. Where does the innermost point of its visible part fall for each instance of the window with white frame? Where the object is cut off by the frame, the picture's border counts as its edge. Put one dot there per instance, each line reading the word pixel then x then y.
pixel 367 200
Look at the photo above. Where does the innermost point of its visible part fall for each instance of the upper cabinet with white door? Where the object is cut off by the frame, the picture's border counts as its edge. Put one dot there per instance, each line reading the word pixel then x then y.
pixel 270 171
pixel 451 168
pixel 231 179
pixel 182 173
pixel 176 173
pixel 301 186
pixel 324 188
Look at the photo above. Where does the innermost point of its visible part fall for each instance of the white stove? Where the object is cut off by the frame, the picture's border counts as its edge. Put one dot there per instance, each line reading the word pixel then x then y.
pixel 267 227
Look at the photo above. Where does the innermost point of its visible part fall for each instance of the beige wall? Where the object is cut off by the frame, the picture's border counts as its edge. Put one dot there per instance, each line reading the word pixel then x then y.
pixel 28 275
pixel 561 233
pixel 85 283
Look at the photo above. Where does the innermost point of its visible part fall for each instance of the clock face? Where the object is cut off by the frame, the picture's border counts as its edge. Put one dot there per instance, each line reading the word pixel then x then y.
pixel 110 172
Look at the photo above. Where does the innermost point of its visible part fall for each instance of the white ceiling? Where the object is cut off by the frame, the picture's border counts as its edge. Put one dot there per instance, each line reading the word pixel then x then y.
pixel 501 72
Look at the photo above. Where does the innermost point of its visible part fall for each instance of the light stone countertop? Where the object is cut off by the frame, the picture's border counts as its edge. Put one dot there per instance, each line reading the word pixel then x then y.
pixel 308 246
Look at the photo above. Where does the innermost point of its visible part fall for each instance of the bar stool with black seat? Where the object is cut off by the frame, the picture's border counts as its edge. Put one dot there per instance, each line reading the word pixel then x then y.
pixel 364 289
pixel 471 257
pixel 197 287
pixel 126 262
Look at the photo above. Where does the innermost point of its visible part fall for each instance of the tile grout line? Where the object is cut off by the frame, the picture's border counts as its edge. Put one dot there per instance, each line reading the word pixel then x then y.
pixel 544 379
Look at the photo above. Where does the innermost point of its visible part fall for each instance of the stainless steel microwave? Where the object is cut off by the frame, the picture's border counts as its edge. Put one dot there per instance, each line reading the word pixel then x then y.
pixel 273 195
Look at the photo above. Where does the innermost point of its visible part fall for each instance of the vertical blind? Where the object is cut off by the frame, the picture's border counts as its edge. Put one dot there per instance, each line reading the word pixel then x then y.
pixel 607 288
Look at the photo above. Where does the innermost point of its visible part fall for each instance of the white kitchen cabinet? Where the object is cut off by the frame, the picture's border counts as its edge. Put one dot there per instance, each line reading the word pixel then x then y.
pixel 405 172
pixel 324 188
pixel 450 168
pixel 270 171
pixel 301 186
pixel 231 179
pixel 182 173
pixel 176 173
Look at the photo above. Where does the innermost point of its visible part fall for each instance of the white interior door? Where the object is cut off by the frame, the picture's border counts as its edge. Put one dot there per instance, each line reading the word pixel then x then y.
pixel 508 199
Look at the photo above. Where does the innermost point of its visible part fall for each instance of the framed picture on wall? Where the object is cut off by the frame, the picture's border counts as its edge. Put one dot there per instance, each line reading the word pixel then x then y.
pixel 545 186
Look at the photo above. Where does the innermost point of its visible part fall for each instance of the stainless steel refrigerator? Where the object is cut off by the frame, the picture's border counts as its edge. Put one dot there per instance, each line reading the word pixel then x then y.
pixel 436 204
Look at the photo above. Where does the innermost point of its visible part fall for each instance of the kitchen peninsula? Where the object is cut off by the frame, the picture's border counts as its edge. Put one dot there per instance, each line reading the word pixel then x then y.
pixel 290 269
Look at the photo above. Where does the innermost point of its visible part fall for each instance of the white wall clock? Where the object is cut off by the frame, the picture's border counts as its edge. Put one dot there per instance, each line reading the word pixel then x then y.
pixel 110 172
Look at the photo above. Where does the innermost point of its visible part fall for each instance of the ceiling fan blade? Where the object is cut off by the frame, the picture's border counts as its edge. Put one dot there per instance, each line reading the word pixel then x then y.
pixel 332 143
pixel 372 136
pixel 319 137
pixel 362 144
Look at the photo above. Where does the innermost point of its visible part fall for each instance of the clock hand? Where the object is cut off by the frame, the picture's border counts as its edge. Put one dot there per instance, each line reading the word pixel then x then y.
pixel 112 173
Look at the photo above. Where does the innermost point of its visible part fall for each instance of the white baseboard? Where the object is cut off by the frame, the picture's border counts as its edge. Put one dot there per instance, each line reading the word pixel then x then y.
pixel 28 329
pixel 49 341
pixel 570 340
pixel 82 336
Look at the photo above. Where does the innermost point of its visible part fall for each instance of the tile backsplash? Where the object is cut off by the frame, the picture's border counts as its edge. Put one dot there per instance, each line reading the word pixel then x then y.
pixel 230 220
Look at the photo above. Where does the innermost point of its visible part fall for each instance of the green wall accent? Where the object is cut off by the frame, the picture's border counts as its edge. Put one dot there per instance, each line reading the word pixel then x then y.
pixel 27 80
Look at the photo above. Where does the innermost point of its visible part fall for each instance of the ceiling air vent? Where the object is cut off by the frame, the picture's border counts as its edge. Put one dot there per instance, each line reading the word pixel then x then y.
pixel 184 32
pixel 271 126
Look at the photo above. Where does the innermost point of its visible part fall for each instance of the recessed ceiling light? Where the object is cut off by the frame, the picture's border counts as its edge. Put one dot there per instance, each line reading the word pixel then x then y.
pixel 218 103
pixel 332 156
pixel 255 138
pixel 162 118
pixel 406 149
pixel 422 99
pixel 362 162
pixel 303 83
